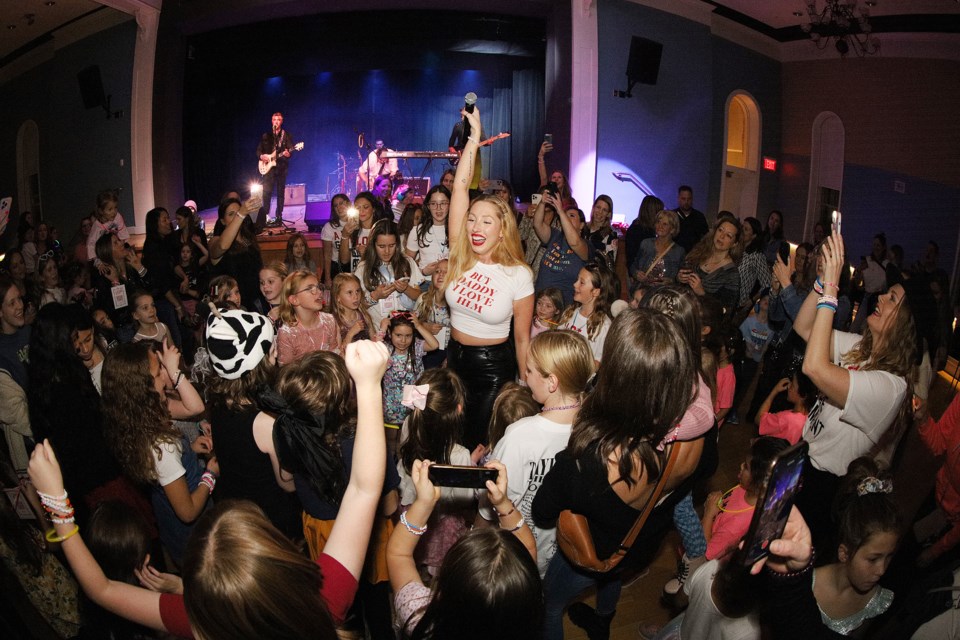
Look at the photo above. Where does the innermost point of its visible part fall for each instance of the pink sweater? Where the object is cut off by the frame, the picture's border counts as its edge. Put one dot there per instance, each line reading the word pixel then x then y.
pixel 783 424
pixel 730 525
pixel 296 341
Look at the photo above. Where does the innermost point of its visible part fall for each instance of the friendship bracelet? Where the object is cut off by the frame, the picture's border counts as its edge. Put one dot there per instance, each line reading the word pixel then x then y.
pixel 516 528
pixel 412 528
pixel 830 284
pixel 179 378
pixel 68 520
pixel 828 299
pixel 52 537
pixel 818 286
pixel 825 305
pixel 208 480
pixel 50 497
pixel 504 515
pixel 473 139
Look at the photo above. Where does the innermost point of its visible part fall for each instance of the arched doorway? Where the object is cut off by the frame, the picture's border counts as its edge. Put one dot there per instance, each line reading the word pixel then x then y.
pixel 28 170
pixel 826 170
pixel 740 182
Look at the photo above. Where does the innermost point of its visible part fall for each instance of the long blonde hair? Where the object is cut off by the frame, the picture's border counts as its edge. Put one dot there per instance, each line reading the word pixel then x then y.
pixel 702 250
pixel 291 284
pixel 339 282
pixel 508 251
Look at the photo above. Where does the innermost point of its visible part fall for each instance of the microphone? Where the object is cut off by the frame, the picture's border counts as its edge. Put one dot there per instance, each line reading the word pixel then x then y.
pixel 469 101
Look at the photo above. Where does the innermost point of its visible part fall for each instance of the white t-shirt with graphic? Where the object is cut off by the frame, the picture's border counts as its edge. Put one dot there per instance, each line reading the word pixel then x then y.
pixel 435 240
pixel 528 449
pixel 578 323
pixel 333 234
pixel 481 300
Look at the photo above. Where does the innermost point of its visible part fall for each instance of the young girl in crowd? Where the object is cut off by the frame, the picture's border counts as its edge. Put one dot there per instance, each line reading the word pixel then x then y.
pixel 313 439
pixel 298 256
pixel 594 291
pixel 549 306
pixel 76 276
pixel 391 280
pixel 427 243
pixel 137 423
pixel 145 315
pixel 488 575
pixel 48 281
pixel 120 275
pixel 432 310
pixel 28 249
pixel 559 364
pixel 433 432
pixel 406 365
pixel 349 311
pixel 788 424
pixel 513 403
pixel 235 560
pixel 331 235
pixel 225 289
pixel 305 326
pixel 727 515
pixel 190 271
pixel 726 378
pixel 107 219
pixel 356 230
pixel 869 528
pixel 271 286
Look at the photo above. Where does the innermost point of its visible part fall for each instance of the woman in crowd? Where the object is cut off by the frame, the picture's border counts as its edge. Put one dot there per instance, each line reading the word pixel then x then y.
pixel 863 380
pixel 556 176
pixel 773 236
pixel 754 270
pixel 613 463
pixel 241 577
pixel 331 235
pixel 600 233
pixel 658 259
pixel 160 254
pixel 488 285
pixel 188 229
pixel 121 274
pixel 390 278
pixel 77 248
pixel 357 230
pixel 566 252
pixel 711 266
pixel 234 250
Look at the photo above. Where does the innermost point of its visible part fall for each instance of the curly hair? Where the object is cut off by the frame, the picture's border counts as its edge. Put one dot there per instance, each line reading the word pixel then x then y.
pixel 135 418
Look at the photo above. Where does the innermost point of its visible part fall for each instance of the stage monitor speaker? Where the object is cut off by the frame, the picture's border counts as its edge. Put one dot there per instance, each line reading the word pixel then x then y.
pixel 643 66
pixel 91 87
pixel 295 194
pixel 419 186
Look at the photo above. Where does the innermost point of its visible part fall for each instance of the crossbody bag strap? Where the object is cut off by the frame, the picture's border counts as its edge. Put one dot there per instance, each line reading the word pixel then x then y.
pixel 658 259
pixel 652 501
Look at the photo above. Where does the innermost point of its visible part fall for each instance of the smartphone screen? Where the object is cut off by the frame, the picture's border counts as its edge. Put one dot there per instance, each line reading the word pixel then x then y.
pixel 449 475
pixel 770 514
pixel 548 137
pixel 835 219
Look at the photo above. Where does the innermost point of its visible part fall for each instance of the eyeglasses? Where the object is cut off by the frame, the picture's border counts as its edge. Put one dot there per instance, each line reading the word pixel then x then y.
pixel 439 205
pixel 45 256
pixel 313 288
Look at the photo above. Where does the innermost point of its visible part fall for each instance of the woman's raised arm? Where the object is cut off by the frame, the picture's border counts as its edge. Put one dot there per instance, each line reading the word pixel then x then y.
pixel 460 197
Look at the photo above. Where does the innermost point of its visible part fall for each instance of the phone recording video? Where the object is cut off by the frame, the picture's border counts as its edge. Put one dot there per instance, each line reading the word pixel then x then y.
pixel 770 514
pixel 462 477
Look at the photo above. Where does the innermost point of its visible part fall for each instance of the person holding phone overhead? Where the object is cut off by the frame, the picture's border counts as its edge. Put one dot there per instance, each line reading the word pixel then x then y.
pixel 488 286
pixel 864 381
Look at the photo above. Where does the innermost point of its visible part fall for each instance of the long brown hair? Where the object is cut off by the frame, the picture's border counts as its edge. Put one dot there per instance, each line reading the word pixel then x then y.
pixel 372 278
pixel 435 429
pixel 135 418
pixel 704 248
pixel 243 579
pixel 644 350
pixel 602 278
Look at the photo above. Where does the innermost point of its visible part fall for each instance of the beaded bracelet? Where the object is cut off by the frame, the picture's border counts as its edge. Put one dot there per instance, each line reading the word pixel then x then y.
pixel 208 480
pixel 798 572
pixel 53 537
pixel 504 515
pixel 65 520
pixel 827 298
pixel 516 528
pixel 830 284
pixel 412 528
pixel 818 286
pixel 179 378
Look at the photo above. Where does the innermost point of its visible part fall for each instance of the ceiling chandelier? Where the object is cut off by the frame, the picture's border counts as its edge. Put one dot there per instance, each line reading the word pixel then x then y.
pixel 844 24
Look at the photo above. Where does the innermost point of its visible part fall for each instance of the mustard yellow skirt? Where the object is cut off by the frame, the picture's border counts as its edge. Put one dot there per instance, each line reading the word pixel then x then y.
pixel 317 532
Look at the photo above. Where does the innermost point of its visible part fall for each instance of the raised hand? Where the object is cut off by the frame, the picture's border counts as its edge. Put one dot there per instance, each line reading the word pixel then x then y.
pixel 366 361
pixel 44 470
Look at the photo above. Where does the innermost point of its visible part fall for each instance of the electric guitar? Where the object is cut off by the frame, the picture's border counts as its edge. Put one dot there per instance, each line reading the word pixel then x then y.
pixel 266 165
pixel 488 141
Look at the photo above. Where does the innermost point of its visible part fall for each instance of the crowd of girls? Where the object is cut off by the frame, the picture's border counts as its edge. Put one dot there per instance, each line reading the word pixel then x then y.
pixel 285 473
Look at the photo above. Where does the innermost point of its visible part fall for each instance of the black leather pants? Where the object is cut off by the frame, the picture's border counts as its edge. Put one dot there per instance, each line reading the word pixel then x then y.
pixel 483 371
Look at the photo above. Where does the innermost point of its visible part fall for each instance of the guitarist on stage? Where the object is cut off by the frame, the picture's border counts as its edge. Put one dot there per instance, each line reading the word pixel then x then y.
pixel 276 143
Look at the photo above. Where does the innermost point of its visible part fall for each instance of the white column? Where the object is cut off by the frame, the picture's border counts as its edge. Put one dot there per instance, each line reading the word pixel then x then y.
pixel 583 107
pixel 147 15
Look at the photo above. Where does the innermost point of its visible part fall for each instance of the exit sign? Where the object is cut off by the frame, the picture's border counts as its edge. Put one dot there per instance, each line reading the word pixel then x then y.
pixel 769 164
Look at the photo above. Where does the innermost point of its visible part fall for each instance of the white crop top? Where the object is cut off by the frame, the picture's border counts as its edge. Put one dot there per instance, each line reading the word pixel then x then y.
pixel 481 300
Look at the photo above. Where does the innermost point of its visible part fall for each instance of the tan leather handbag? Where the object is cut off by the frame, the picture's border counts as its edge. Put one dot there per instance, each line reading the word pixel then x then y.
pixel 573 529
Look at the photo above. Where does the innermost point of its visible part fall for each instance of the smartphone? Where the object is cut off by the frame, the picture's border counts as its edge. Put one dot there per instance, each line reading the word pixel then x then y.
pixel 784 252
pixel 463 477
pixel 256 189
pixel 835 219
pixel 493 186
pixel 535 199
pixel 548 138
pixel 353 213
pixel 771 513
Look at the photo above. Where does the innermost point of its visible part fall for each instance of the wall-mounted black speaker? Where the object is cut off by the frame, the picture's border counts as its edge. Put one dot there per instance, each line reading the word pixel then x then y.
pixel 643 66
pixel 91 87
